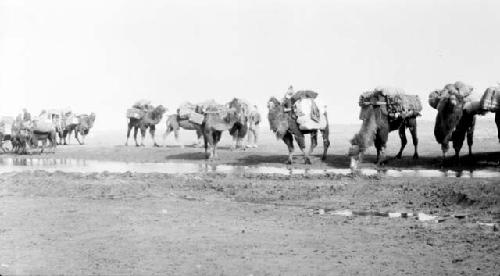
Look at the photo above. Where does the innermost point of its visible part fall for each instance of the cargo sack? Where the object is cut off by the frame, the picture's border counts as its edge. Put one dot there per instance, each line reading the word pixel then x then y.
pixel 135 113
pixel 196 118
pixel 304 110
pixel 142 104
pixel 434 98
pixel 490 100
pixel 185 110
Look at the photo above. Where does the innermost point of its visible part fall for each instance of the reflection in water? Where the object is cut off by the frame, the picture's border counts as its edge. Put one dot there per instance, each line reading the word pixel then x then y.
pixel 93 166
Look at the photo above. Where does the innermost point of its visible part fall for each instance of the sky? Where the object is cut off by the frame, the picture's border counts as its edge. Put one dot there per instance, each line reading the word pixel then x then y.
pixel 101 56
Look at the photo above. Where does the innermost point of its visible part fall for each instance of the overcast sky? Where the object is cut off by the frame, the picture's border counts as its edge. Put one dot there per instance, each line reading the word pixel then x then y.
pixel 101 56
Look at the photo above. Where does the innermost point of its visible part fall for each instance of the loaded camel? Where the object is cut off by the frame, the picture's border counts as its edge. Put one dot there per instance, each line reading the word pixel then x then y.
pixel 217 119
pixel 149 119
pixel 175 122
pixel 80 126
pixel 240 127
pixel 286 128
pixel 378 121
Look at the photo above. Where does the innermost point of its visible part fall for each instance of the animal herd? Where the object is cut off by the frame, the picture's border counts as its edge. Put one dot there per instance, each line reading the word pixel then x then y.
pixel 455 122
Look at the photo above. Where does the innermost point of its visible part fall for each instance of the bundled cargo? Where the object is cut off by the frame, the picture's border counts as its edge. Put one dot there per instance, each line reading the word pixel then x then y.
pixel 135 113
pixel 212 106
pixel 142 104
pixel 394 102
pixel 490 101
pixel 186 109
pixel 42 124
pixel 458 89
pixel 309 115
pixel 196 118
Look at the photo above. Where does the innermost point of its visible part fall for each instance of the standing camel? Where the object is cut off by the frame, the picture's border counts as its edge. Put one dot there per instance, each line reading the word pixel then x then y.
pixel 148 121
pixel 375 129
pixel 81 126
pixel 240 127
pixel 454 123
pixel 286 128
pixel 175 122
pixel 214 124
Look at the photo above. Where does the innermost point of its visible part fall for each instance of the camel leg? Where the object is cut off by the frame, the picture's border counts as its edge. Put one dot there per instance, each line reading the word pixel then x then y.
pixel 129 128
pixel 69 137
pixel 83 139
pixel 136 130
pixel 177 141
pixel 217 136
pixel 497 122
pixel 208 138
pixel 380 143
pixel 143 136
pixel 77 138
pixel 314 142
pixel 302 146
pixel 326 142
pixel 288 139
pixel 152 130
pixel 470 136
pixel 414 138
pixel 404 141
pixel 199 136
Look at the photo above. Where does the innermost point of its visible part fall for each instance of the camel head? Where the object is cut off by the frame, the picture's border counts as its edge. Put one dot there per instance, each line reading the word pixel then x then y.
pixel 278 119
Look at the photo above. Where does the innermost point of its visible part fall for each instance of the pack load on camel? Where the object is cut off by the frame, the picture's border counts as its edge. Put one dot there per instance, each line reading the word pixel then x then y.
pixel 490 101
pixel 457 89
pixel 456 116
pixel 219 120
pixel 284 117
pixel 309 115
pixel 142 116
pixel 383 110
pixel 394 101
pixel 190 112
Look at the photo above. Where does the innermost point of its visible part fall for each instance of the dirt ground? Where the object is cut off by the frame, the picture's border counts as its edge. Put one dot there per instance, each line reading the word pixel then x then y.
pixel 157 224
pixel 215 224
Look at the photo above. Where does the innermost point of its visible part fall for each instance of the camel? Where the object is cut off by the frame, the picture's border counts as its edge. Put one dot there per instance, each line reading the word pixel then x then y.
pixel 175 123
pixel 148 121
pixel 214 124
pixel 454 123
pixel 286 129
pixel 375 129
pixel 81 126
pixel 240 127
pixel 44 136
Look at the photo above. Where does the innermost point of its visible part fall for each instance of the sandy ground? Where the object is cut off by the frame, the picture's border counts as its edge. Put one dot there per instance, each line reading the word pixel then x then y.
pixel 213 224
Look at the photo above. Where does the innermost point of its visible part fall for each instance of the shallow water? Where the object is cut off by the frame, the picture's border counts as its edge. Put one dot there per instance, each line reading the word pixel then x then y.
pixel 94 166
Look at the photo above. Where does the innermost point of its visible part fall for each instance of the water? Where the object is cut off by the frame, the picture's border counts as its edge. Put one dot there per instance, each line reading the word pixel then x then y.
pixel 94 166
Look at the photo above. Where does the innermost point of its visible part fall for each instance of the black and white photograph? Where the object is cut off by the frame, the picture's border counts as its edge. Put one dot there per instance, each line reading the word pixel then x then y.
pixel 249 137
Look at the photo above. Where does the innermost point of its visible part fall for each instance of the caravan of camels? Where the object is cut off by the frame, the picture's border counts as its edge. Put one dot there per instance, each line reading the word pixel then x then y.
pixel 298 113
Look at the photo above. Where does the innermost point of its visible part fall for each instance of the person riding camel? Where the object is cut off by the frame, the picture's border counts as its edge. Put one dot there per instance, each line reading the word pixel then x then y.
pixel 287 101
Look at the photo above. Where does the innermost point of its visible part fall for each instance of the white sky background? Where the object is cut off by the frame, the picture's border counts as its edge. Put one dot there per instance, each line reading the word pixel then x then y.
pixel 101 56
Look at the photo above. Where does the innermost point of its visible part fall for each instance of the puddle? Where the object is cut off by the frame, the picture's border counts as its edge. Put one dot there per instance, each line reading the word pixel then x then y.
pixel 94 166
